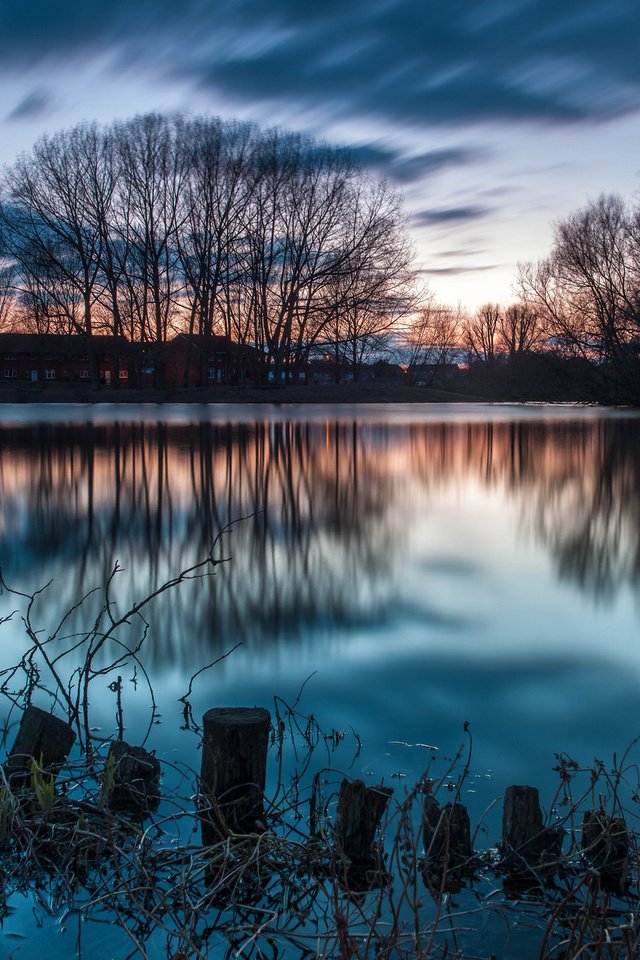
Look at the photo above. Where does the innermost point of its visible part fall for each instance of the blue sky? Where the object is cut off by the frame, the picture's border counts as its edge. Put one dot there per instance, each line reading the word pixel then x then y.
pixel 492 116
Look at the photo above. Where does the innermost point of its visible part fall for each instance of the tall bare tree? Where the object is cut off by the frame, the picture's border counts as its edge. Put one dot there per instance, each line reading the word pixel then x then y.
pixel 432 340
pixel 215 199
pixel 371 283
pixel 8 300
pixel 481 332
pixel 50 232
pixel 159 225
pixel 520 329
pixel 152 177
pixel 588 289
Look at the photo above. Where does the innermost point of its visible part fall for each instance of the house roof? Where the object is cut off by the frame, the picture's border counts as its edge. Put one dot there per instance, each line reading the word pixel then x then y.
pixel 76 345
pixel 68 344
pixel 214 342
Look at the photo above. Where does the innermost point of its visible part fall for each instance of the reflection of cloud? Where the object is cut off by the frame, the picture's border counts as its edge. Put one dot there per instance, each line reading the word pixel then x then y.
pixel 427 218
pixel 35 104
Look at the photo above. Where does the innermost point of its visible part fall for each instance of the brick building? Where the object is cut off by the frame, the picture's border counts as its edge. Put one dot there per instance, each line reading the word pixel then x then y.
pixel 65 357
pixel 193 360
pixel 184 361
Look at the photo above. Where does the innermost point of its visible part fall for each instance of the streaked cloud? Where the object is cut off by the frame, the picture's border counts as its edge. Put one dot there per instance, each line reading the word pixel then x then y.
pixel 429 218
pixel 407 61
pixel 410 167
pixel 457 271
pixel 493 116
pixel 35 104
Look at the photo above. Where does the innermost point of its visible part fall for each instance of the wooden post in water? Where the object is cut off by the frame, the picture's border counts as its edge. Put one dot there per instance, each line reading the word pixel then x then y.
pixel 605 844
pixel 132 779
pixel 521 817
pixel 447 834
pixel 358 816
pixel 526 842
pixel 233 772
pixel 41 737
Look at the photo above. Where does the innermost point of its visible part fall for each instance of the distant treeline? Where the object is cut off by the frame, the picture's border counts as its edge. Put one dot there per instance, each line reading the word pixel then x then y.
pixel 575 330
pixel 160 225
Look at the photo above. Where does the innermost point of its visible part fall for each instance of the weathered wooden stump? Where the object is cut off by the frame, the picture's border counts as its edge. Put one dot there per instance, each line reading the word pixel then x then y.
pixel 132 779
pixel 233 772
pixel 43 738
pixel 521 817
pixel 526 843
pixel 358 817
pixel 605 844
pixel 447 843
pixel 446 833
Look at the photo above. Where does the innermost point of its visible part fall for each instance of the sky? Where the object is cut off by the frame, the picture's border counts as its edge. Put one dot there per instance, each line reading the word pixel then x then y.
pixel 493 117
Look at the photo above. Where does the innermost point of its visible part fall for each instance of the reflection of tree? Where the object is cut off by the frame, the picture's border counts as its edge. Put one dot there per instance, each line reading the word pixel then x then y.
pixel 592 521
pixel 327 507
pixel 315 551
pixel 577 482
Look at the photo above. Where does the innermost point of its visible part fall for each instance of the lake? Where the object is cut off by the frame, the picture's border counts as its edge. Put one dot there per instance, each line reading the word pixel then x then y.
pixel 404 569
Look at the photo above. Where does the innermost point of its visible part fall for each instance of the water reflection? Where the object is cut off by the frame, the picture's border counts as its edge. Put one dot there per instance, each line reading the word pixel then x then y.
pixel 576 486
pixel 334 511
pixel 316 547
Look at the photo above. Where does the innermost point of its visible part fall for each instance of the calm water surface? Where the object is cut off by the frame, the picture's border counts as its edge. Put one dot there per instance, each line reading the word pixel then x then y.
pixel 425 566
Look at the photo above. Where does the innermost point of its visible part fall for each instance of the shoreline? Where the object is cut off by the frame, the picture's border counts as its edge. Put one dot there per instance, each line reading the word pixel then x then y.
pixel 299 393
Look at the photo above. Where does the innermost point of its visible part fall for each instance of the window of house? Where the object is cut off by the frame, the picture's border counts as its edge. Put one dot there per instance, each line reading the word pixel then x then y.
pixel 10 374
pixel 50 374
pixel 123 374
pixel 211 373
pixel 10 356
pixel 84 373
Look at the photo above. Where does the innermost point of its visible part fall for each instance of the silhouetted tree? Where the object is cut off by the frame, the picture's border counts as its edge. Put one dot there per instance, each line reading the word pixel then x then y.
pixel 432 340
pixel 372 283
pixel 588 291
pixel 210 243
pixel 482 332
pixel 50 233
pixel 159 225
pixel 520 329
pixel 7 293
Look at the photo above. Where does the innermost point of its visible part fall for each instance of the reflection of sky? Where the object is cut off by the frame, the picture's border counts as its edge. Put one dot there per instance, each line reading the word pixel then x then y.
pixel 420 561
pixel 427 572
pixel 493 117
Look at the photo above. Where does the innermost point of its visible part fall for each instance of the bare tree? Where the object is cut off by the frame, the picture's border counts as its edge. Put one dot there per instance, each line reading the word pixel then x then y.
pixel 49 303
pixel 587 290
pixel 481 332
pixel 153 170
pixel 8 301
pixel 50 233
pixel 520 329
pixel 159 225
pixel 432 340
pixel 215 198
pixel 372 284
